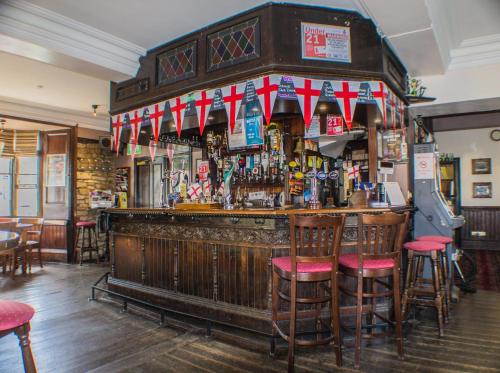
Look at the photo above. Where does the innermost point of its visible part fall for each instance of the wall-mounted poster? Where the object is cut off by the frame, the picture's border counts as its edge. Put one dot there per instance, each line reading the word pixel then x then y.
pixel 334 125
pixel 314 128
pixel 254 130
pixel 237 139
pixel 326 42
pixel 56 170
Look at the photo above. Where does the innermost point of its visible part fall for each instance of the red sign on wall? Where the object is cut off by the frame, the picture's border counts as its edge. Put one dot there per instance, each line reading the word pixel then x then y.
pixel 326 42
pixel 334 125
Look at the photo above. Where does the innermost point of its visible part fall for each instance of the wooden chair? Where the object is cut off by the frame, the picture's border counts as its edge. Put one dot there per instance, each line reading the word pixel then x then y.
pixel 380 238
pixel 8 256
pixel 15 318
pixel 34 239
pixel 314 247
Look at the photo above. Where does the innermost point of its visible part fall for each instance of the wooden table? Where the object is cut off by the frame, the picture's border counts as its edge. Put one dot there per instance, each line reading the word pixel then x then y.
pixel 8 243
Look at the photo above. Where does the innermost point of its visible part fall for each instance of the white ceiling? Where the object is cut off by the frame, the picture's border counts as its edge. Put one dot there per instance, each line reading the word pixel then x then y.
pixel 73 48
pixel 14 124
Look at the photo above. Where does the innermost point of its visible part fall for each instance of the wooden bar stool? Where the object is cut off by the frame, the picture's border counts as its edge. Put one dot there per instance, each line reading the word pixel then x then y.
pixel 445 262
pixel 88 227
pixel 312 264
pixel 380 238
pixel 15 318
pixel 416 291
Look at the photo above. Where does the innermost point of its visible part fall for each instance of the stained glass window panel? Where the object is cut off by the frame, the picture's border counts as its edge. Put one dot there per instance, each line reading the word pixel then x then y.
pixel 177 64
pixel 234 45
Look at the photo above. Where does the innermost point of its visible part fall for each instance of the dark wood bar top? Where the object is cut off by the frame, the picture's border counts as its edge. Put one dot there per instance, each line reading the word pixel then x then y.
pixel 277 212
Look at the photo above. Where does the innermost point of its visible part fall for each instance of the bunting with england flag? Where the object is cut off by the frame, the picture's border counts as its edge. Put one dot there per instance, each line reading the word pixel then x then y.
pixel 346 93
pixel 233 95
pixel 266 88
pixel 177 108
pixel 126 126
pixel 135 126
pixel 379 93
pixel 116 126
pixel 203 102
pixel 307 92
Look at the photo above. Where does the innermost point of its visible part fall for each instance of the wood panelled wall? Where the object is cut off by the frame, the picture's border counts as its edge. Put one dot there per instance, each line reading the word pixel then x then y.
pixel 54 236
pixel 481 219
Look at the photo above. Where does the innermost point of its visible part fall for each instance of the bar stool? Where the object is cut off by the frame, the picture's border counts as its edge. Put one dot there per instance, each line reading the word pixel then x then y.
pixel 314 247
pixel 415 290
pixel 88 227
pixel 445 240
pixel 378 255
pixel 15 318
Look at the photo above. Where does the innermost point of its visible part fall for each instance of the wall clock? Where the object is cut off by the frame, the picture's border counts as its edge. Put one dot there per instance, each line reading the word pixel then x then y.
pixel 495 135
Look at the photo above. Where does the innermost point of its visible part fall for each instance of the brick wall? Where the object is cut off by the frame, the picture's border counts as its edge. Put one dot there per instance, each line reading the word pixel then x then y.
pixel 95 171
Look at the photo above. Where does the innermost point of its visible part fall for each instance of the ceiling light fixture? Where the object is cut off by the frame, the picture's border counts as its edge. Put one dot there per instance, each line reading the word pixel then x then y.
pixel 95 107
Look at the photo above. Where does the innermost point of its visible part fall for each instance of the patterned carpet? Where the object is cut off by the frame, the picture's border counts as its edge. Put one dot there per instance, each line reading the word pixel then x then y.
pixel 488 269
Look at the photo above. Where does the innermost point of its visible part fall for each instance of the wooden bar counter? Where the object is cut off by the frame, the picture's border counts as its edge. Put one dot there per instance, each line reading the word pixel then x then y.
pixel 210 264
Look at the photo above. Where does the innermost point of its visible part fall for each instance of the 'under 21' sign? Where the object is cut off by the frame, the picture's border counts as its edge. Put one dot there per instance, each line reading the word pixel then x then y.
pixel 326 42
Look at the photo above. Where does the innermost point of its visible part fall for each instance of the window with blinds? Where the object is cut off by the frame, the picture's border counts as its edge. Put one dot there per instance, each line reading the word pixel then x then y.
pixel 20 167
pixel 16 142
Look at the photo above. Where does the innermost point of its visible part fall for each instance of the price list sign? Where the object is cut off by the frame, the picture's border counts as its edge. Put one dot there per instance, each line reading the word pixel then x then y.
pixel 326 42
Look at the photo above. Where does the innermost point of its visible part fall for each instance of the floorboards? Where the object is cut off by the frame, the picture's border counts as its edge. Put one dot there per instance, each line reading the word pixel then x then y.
pixel 71 334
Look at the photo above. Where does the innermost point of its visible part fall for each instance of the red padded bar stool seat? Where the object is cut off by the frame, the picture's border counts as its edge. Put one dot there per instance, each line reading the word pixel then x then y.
pixel 86 224
pixel 424 246
pixel 439 239
pixel 285 264
pixel 351 261
pixel 14 314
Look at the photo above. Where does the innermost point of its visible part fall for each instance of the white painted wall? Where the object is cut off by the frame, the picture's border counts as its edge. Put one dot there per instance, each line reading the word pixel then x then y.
pixel 468 145
pixel 463 84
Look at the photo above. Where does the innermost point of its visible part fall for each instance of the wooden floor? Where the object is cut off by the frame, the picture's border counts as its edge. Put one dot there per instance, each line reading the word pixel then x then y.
pixel 71 334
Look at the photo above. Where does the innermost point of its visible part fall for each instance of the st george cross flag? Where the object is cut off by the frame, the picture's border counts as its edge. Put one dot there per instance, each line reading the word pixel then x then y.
pixel 207 188
pixel 177 108
pixel 266 88
pixel 194 191
pixel 152 149
pixel 170 155
pixel 203 102
pixel 379 93
pixel 353 172
pixel 307 92
pixel 233 95
pixel 135 125
pixel 156 113
pixel 116 125
pixel 346 93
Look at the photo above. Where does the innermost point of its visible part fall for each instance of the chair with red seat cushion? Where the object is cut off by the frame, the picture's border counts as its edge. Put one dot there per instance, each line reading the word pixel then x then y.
pixel 15 318
pixel 314 247
pixel 416 291
pixel 446 266
pixel 380 238
pixel 88 244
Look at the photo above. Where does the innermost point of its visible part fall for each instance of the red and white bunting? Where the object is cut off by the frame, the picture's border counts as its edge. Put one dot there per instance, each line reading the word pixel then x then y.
pixel 156 116
pixel 353 172
pixel 170 155
pixel 207 188
pixel 401 110
pixel 392 103
pixel 346 93
pixel 232 101
pixel 308 92
pixel 266 88
pixel 135 125
pixel 203 102
pixel 152 149
pixel 177 107
pixel 116 126
pixel 379 93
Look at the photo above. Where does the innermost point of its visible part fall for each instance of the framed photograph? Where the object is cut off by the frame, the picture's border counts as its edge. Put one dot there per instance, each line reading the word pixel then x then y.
pixel 481 190
pixel 481 166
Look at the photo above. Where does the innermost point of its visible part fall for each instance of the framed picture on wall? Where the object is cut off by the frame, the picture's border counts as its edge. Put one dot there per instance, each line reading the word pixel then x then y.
pixel 481 190
pixel 481 166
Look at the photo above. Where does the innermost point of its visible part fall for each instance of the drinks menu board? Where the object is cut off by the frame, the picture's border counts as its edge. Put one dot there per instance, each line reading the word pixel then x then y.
pixel 326 42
